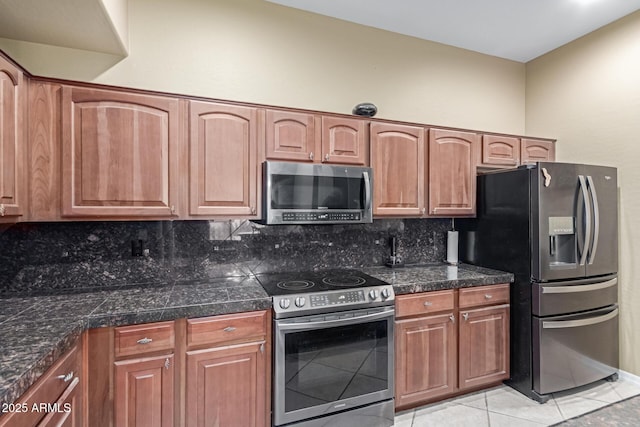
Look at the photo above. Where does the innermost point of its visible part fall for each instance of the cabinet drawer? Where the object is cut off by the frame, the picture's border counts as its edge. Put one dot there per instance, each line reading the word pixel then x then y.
pixel 484 295
pixel 141 339
pixel 48 389
pixel 225 328
pixel 426 302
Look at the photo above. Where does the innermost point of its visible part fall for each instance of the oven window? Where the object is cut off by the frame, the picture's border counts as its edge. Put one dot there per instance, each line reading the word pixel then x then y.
pixel 316 192
pixel 330 364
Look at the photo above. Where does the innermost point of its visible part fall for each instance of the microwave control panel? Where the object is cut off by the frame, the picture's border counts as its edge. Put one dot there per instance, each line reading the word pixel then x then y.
pixel 320 216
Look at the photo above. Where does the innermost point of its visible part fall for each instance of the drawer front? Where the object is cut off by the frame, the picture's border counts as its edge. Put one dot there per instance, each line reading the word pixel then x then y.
pixel 426 302
pixel 48 389
pixel 225 328
pixel 484 295
pixel 142 339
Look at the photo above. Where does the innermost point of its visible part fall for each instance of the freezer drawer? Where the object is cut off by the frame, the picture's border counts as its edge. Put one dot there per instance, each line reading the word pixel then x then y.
pixel 555 298
pixel 574 350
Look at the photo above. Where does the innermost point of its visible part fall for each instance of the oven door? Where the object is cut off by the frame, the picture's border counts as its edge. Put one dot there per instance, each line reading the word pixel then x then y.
pixel 332 362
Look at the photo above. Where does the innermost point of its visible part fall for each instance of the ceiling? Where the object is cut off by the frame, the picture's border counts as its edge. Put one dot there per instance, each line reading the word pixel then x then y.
pixel 95 25
pixel 520 30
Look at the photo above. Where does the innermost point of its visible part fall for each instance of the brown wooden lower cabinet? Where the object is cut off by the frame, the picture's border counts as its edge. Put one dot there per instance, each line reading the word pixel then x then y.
pixel 144 393
pixel 464 346
pixel 210 371
pixel 55 399
pixel 426 355
pixel 226 386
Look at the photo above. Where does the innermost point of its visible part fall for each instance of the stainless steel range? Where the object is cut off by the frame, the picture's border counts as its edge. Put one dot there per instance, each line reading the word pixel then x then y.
pixel 333 348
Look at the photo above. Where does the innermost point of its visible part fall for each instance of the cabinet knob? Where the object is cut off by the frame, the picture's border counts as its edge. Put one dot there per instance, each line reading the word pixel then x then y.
pixel 311 155
pixel 253 210
pixel 326 157
pixel 465 316
pixel 2 209
pixel 173 210
pixel 424 210
pixel 452 318
pixel 167 363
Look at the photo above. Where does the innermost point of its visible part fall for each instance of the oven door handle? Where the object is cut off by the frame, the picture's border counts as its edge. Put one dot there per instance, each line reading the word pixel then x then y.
pixel 338 322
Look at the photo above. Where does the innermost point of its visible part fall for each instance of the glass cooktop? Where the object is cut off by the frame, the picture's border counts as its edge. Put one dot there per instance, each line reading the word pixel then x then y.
pixel 315 281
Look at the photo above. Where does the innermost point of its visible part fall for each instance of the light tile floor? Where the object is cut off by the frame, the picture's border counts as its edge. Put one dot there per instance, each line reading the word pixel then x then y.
pixel 503 406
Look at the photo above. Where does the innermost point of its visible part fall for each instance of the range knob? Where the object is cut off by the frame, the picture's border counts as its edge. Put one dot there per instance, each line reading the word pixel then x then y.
pixel 373 294
pixel 285 303
pixel 385 293
pixel 300 301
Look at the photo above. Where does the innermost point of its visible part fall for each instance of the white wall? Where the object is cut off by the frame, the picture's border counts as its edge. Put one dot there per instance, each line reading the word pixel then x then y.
pixel 587 94
pixel 256 51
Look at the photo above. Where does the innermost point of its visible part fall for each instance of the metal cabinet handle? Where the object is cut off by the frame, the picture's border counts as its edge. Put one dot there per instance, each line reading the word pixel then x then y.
pixel 66 378
pixel 326 157
pixel 488 296
pixel 428 304
pixel 144 340
pixel 424 210
pixel 229 329
pixel 253 210
pixel 3 210
pixel 465 316
pixel 167 363
pixel 453 318
pixel 311 155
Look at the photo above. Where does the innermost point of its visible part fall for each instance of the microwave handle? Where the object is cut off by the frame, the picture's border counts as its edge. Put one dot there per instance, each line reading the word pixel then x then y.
pixel 367 191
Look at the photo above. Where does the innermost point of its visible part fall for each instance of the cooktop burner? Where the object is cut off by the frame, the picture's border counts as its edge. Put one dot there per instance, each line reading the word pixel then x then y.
pixel 312 292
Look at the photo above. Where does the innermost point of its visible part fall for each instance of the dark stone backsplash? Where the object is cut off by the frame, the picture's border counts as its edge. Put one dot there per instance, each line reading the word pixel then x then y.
pixel 60 257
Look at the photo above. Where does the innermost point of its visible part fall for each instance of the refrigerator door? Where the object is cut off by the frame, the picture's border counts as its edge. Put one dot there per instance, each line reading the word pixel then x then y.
pixel 561 222
pixel 602 187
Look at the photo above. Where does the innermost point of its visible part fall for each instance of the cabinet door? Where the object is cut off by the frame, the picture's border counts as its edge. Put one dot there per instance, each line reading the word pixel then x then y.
pixel 144 393
pixel 452 172
pixel 119 153
pixel 291 136
pixel 484 346
pixel 397 159
pixel 227 386
pixel 224 161
pixel 425 359
pixel 537 150
pixel 500 151
pixel 12 116
pixel 68 411
pixel 344 141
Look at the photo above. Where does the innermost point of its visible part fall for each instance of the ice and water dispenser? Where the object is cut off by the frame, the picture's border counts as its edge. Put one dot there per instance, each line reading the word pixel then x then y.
pixel 562 241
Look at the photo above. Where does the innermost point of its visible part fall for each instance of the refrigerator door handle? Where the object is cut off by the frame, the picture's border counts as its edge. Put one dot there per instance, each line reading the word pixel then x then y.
pixel 577 323
pixel 587 218
pixel 579 288
pixel 596 219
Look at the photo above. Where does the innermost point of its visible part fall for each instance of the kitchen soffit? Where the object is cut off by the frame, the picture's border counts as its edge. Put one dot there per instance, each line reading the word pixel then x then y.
pixel 519 30
pixel 95 25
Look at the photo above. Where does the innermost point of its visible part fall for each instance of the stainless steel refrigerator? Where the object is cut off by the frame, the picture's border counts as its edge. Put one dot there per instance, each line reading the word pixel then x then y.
pixel 555 226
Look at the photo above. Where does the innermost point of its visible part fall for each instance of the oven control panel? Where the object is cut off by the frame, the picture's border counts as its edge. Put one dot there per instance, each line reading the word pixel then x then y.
pixel 328 301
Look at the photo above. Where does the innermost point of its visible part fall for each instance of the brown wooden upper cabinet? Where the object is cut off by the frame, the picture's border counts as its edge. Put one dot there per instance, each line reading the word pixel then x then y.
pixel 452 172
pixel 224 159
pixel 312 138
pixel 500 151
pixel 398 163
pixel 12 119
pixel 119 154
pixel 537 150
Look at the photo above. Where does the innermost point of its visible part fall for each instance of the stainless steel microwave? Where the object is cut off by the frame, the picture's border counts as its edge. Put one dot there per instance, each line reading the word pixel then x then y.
pixel 303 193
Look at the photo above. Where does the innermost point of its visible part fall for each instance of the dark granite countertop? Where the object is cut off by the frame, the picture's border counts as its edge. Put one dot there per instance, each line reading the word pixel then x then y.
pixel 37 330
pixel 422 278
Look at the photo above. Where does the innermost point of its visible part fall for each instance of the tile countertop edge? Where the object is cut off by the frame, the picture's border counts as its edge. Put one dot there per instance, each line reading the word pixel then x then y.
pixel 410 279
